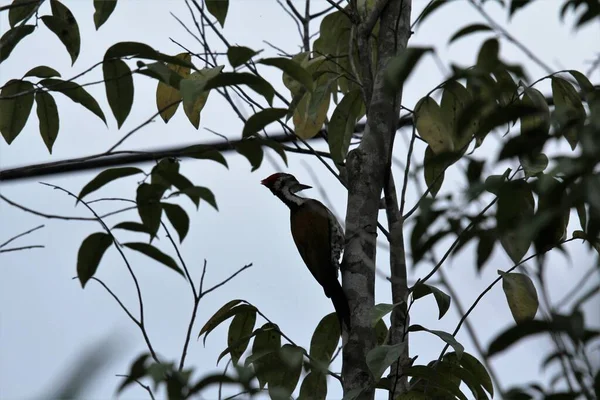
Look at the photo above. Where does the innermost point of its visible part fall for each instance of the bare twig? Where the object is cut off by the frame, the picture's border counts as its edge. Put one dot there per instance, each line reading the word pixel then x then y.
pixel 36 246
pixel 21 235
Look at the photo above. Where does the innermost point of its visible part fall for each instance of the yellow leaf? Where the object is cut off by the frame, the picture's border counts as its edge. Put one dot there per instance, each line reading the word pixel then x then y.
pixel 167 95
pixel 432 126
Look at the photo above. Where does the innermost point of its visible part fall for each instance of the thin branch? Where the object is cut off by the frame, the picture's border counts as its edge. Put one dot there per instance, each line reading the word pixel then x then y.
pixel 147 388
pixel 36 246
pixel 21 235
pixel 218 285
pixel 114 296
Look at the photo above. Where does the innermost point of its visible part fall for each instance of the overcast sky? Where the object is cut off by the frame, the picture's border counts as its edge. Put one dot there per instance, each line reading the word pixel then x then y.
pixel 47 321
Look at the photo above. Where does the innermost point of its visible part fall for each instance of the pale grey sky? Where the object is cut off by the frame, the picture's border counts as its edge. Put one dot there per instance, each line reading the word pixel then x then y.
pixel 47 321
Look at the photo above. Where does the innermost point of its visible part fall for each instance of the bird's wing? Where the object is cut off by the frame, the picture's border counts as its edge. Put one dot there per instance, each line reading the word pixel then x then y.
pixel 311 232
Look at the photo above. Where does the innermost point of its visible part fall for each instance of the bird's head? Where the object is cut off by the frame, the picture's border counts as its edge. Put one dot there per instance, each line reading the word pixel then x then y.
pixel 281 182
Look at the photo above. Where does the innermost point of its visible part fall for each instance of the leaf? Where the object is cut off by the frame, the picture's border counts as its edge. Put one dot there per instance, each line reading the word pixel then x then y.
pixel 63 24
pixel 21 10
pixel 216 319
pixel 141 50
pixel 325 339
pixel 467 30
pixel 47 113
pixel 218 9
pixel 515 333
pixel 569 109
pixel 285 378
pixel 445 336
pixel 267 344
pixel 194 92
pixel 119 88
pixel 515 5
pixel 399 68
pixel 178 218
pixel 201 152
pixel 291 68
pixel 261 119
pixel 476 368
pixel 314 387
pixel 537 125
pixel 199 192
pixel 435 378
pixel 432 127
pixel 42 71
pixel 441 298
pixel 252 150
pixel 381 357
pixel 515 208
pixel 107 176
pixel 168 97
pixel 534 166
pixel 239 55
pixel 487 240
pixel 11 38
pixel 138 370
pixel 521 296
pixel 240 328
pixel 381 310
pixel 149 207
pixel 256 83
pixel 342 124
pixel 155 254
pixel 76 93
pixel 132 226
pixel 310 113
pixel 90 253
pixel 381 332
pixel 103 10
pixel 434 168
pixel 455 100
pixel 15 111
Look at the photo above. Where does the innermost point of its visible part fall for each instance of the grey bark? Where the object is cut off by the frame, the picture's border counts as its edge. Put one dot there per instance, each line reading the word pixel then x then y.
pixel 366 168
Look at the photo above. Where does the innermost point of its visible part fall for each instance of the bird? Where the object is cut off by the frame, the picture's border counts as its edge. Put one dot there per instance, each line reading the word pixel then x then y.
pixel 318 237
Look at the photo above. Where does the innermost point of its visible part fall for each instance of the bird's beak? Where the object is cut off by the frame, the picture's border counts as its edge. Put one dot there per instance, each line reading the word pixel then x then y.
pixel 300 187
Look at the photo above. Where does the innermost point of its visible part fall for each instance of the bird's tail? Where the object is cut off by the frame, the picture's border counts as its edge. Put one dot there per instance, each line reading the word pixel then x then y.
pixel 340 303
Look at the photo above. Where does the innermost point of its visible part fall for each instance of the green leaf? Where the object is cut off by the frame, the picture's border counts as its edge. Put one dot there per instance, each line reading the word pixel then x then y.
pixel 584 83
pixel 63 24
pixel 314 387
pixel 517 332
pixel 119 88
pixel 476 368
pixel 381 332
pixel 90 253
pixel 218 9
pixel 240 328
pixel 469 29
pixel 76 93
pixel 252 150
pixel 195 193
pixel 436 379
pixel 195 94
pixel 569 109
pixel 217 317
pixel 325 339
pixel 11 38
pixel 441 298
pixel 539 123
pixel 521 296
pixel 434 169
pixel 155 254
pixel 291 68
pixel 166 173
pixel 432 126
pixel 141 50
pixel 103 10
pixel 445 336
pixel 515 209
pixel 107 176
pixel 261 119
pixel 400 67
pixel 15 111
pixel 138 370
pixel 342 123
pixel 47 113
pixel 285 378
pixel 487 240
pixel 201 152
pixel 256 83
pixel 381 357
pixel 381 310
pixel 535 165
pixel 487 59
pixel 179 219
pixel 132 226
pixel 455 100
pixel 21 10
pixel 515 5
pixel 42 71
pixel 149 207
pixel 239 55
pixel 267 344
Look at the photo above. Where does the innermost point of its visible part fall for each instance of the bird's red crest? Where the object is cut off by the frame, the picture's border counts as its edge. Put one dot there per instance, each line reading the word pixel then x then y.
pixel 271 179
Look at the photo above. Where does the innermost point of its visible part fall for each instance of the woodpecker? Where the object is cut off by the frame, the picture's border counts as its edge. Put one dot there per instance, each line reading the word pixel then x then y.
pixel 318 237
